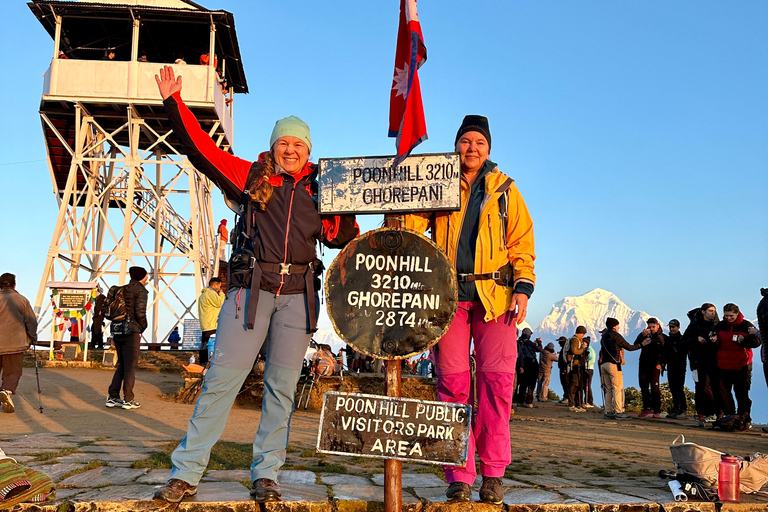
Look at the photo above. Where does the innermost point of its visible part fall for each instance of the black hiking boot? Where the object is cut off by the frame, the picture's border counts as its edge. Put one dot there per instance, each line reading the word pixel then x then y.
pixel 265 489
pixel 492 491
pixel 175 491
pixel 458 491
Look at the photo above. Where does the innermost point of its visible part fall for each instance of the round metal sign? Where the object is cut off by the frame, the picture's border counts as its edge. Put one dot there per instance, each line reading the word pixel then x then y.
pixel 391 293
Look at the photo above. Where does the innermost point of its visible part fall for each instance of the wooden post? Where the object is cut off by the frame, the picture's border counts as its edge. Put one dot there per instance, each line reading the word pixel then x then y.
pixel 393 469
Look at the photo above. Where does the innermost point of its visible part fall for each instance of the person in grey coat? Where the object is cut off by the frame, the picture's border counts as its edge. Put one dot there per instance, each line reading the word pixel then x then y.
pixel 18 328
pixel 546 358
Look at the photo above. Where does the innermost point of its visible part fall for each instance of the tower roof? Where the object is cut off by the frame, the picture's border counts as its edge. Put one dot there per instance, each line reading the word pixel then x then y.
pixel 91 28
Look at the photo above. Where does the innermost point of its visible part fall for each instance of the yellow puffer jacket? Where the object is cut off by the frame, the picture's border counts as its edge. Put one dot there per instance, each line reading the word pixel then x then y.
pixel 494 248
pixel 208 305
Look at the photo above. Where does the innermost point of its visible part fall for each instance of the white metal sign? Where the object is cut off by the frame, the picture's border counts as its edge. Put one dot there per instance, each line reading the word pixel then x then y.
pixel 373 185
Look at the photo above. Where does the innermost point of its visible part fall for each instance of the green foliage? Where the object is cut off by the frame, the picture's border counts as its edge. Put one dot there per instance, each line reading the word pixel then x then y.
pixel 633 399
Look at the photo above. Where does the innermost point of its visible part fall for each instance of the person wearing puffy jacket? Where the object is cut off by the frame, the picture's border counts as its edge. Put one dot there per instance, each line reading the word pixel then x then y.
pixel 735 338
pixel 702 355
pixel 762 323
pixel 650 367
pixel 271 291
pixel 490 240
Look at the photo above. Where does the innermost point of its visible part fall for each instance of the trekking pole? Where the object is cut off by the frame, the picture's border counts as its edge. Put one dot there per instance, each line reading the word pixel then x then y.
pixel 37 376
pixel 309 394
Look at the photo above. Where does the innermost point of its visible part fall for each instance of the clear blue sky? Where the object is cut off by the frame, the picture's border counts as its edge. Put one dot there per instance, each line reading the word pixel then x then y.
pixel 636 131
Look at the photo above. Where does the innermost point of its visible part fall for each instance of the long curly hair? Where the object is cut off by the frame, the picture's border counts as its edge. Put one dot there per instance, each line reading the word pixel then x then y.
pixel 260 190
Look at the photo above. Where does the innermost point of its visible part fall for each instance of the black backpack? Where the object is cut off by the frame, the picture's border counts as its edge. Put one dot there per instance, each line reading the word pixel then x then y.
pixel 114 306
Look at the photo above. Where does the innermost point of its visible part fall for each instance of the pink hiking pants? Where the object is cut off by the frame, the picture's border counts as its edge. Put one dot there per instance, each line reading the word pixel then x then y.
pixel 495 355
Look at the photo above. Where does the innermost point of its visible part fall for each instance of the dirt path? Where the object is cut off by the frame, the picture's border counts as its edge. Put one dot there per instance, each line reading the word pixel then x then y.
pixel 547 440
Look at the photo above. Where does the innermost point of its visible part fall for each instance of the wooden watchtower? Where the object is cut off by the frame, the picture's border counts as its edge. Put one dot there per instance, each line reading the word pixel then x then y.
pixel 126 195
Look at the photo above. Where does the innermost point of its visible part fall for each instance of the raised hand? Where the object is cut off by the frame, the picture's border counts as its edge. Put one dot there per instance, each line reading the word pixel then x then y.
pixel 167 83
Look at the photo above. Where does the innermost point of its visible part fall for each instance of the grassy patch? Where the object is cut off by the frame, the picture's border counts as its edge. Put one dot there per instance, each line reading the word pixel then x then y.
pixel 297 467
pixel 433 469
pixel 159 459
pixel 323 467
pixel 53 455
pixel 520 469
pixel 642 472
pixel 553 462
pixel 292 449
pixel 93 464
pixel 601 471
pixel 224 455
pixel 308 453
pixel 559 474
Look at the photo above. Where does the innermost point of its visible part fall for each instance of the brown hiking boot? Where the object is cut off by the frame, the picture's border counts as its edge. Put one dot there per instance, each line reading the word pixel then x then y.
pixel 265 489
pixel 458 491
pixel 7 401
pixel 174 491
pixel 492 491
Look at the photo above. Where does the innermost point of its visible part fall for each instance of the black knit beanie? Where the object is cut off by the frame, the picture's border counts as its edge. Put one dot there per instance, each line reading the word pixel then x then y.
pixel 474 123
pixel 137 273
pixel 611 322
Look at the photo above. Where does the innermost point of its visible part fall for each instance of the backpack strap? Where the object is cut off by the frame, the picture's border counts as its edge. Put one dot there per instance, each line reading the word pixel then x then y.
pixel 504 206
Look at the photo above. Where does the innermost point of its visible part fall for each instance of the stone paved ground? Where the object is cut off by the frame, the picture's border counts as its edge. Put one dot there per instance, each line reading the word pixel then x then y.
pixel 561 460
pixel 90 469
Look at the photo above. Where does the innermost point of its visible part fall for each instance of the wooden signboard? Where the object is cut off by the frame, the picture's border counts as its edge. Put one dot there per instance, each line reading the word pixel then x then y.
pixel 394 428
pixel 391 293
pixel 373 185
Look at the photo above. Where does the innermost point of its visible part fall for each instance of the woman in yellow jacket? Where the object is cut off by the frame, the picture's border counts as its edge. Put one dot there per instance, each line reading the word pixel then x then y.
pixel 490 240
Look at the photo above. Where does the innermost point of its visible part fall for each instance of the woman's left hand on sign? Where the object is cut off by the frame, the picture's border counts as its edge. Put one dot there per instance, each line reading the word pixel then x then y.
pixel 167 83
pixel 519 301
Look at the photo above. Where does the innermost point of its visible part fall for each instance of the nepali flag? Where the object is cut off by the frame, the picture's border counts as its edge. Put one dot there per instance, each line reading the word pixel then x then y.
pixel 406 111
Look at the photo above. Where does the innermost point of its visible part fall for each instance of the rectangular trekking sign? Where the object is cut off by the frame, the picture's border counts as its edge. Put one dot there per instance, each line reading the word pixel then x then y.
pixel 403 429
pixel 192 336
pixel 371 184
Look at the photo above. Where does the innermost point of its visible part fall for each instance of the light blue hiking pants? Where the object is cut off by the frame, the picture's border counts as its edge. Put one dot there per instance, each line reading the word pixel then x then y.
pixel 283 320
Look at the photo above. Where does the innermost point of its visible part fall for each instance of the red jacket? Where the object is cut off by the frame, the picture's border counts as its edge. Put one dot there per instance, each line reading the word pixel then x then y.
pixel 730 354
pixel 286 232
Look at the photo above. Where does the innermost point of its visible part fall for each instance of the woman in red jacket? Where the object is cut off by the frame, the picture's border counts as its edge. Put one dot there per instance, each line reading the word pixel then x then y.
pixel 271 289
pixel 735 339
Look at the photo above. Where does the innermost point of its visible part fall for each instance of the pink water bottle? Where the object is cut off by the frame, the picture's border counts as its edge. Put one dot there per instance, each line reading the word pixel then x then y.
pixel 728 478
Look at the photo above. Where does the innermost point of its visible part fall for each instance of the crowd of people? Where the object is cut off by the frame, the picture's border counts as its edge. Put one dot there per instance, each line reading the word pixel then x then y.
pixel 718 352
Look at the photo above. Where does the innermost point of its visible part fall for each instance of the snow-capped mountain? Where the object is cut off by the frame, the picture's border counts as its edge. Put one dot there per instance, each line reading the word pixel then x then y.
pixel 329 337
pixel 591 310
